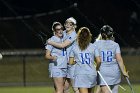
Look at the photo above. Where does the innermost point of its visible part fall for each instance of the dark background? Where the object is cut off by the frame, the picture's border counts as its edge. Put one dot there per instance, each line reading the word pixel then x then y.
pixel 26 24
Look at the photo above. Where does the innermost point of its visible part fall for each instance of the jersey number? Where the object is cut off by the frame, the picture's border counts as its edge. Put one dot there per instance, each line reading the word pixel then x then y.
pixel 64 52
pixel 106 56
pixel 85 58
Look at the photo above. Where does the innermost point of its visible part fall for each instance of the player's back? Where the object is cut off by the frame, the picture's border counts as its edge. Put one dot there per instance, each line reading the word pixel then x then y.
pixel 107 50
pixel 84 60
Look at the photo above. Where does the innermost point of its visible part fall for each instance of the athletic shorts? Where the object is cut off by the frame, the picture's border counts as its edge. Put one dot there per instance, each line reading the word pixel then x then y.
pixel 85 81
pixel 58 72
pixel 111 74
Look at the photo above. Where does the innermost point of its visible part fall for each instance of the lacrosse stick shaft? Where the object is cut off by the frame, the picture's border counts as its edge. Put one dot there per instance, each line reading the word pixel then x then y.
pixel 104 81
pixel 122 87
pixel 129 84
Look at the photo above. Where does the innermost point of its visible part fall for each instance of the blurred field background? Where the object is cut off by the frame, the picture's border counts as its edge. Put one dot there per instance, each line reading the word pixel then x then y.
pixel 26 71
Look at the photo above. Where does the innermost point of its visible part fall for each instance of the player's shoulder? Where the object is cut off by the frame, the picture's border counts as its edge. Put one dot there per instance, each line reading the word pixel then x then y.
pixel 113 42
pixel 54 38
pixel 97 42
pixel 72 36
pixel 73 33
pixel 91 44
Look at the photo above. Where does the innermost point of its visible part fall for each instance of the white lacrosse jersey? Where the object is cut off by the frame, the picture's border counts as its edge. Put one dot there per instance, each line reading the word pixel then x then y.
pixel 109 66
pixel 84 59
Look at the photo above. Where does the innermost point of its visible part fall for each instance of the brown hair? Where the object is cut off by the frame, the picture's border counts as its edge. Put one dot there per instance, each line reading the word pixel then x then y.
pixel 84 37
pixel 107 32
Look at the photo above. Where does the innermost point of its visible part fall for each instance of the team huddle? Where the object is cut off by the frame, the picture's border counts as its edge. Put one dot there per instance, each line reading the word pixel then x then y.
pixel 74 60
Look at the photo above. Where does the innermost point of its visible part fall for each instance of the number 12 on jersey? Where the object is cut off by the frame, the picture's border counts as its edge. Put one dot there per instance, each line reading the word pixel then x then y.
pixel 107 56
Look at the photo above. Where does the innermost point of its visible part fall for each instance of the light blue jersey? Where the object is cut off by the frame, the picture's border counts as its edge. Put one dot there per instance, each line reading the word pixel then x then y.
pixel 108 49
pixel 60 53
pixel 85 72
pixel 84 59
pixel 109 66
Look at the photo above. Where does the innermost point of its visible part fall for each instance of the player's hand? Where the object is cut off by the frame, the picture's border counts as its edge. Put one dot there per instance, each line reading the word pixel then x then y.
pixel 54 58
pixel 125 74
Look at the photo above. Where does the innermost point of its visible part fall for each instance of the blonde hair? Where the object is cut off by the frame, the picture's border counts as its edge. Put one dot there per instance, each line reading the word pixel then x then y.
pixel 84 37
pixel 72 20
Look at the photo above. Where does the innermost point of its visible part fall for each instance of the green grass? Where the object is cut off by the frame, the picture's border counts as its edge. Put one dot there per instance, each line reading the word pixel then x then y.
pixel 26 90
pixel 45 89
pixel 128 90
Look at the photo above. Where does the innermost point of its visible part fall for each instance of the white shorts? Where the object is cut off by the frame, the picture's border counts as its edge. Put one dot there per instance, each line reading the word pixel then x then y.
pixel 85 81
pixel 58 72
pixel 111 74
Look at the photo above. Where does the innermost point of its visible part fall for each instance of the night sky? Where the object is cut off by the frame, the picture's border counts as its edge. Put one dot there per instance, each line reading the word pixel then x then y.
pixel 27 23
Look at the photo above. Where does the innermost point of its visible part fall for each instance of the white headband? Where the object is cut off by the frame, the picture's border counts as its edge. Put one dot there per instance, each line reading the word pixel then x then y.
pixel 54 24
pixel 72 20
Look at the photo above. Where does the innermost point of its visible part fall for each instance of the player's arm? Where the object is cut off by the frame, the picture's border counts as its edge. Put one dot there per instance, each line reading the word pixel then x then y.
pixel 59 45
pixel 121 64
pixel 71 61
pixel 97 57
pixel 98 62
pixel 49 56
